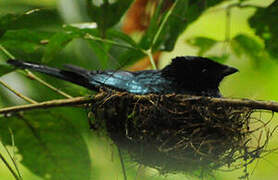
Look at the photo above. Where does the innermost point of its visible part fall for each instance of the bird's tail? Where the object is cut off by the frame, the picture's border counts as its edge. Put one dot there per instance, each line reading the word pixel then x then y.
pixel 75 75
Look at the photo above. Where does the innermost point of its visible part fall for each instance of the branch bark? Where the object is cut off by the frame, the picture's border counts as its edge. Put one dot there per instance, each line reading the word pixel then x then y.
pixel 48 104
pixel 253 104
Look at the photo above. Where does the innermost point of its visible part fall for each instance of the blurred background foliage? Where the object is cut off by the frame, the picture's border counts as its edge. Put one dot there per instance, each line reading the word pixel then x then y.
pixel 123 34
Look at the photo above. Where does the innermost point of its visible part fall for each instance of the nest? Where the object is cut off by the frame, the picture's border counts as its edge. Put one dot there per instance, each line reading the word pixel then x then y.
pixel 176 133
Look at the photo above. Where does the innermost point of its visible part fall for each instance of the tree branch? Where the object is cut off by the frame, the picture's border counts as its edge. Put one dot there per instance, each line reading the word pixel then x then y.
pixel 253 104
pixel 48 104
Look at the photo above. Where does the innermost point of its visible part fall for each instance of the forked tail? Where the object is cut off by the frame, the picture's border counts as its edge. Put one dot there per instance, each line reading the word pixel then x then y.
pixel 76 76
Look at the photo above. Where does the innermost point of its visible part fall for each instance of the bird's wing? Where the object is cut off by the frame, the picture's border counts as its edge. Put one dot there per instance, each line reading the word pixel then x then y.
pixel 153 82
pixel 142 82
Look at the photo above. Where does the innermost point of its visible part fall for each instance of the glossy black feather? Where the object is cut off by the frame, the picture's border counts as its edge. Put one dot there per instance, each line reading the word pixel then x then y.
pixel 185 75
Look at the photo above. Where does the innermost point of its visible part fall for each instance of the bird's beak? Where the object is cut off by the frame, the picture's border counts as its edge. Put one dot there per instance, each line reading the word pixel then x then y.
pixel 229 70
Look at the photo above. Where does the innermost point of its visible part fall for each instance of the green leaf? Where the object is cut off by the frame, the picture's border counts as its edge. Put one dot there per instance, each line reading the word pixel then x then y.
pixel 105 13
pixel 32 36
pixel 122 37
pixel 183 13
pixel 102 47
pixel 204 44
pixel 264 21
pixel 117 36
pixel 24 39
pixel 30 19
pixel 2 32
pixel 129 57
pixel 245 45
pixel 81 31
pixel 4 69
pixel 50 142
pixel 174 25
pixel 147 40
pixel 56 43
pixel 101 50
pixel 221 59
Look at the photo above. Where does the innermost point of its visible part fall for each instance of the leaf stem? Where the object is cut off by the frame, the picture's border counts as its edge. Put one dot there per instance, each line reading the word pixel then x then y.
pixel 146 52
pixel 32 76
pixel 6 52
pixel 9 167
pixel 149 54
pixel 108 41
pixel 156 36
pixel 18 94
pixel 12 158
pixel 122 163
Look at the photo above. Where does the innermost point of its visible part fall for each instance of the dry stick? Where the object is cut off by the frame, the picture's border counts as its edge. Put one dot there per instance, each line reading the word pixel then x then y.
pixel 48 104
pixel 18 94
pixel 8 87
pixel 253 104
pixel 32 76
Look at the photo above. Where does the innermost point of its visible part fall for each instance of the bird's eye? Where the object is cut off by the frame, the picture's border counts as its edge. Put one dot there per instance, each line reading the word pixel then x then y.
pixel 204 70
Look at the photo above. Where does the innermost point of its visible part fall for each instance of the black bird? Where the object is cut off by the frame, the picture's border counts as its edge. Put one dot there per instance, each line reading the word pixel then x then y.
pixel 185 75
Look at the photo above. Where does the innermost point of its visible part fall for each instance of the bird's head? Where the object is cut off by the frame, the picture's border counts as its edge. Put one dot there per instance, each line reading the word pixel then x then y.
pixel 197 73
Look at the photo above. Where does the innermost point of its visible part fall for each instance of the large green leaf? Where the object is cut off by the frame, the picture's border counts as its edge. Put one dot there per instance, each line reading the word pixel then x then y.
pixel 56 43
pixel 174 26
pixel 50 142
pixel 24 39
pixel 18 35
pixel 175 22
pixel 129 57
pixel 182 14
pixel 121 37
pixel 102 46
pixel 202 43
pixel 245 45
pixel 26 35
pixel 106 13
pixel 264 22
pixel 29 19
pixel 4 69
pixel 147 40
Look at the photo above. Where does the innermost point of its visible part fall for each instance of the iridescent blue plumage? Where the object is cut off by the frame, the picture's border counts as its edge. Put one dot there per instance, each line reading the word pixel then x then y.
pixel 141 82
pixel 185 75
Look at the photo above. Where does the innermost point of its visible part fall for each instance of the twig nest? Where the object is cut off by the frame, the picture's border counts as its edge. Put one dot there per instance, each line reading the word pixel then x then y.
pixel 174 133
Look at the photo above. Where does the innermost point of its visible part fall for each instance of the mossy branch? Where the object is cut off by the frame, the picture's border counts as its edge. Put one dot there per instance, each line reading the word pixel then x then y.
pixel 252 104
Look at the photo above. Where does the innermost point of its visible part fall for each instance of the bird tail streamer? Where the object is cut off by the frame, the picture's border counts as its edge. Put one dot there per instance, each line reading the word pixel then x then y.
pixel 73 74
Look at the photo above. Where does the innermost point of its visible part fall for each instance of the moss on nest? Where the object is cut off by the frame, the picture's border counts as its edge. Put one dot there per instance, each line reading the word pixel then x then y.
pixel 176 133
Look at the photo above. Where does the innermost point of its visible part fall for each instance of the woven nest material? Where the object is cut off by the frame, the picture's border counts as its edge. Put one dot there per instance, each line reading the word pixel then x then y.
pixel 175 133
